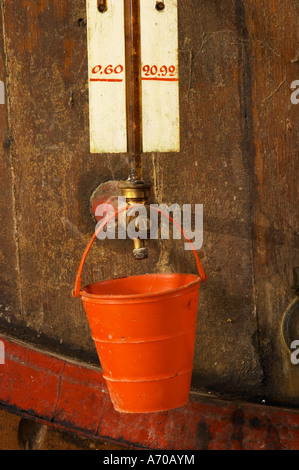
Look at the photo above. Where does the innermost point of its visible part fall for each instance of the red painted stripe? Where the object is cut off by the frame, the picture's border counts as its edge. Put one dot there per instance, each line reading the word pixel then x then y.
pixel 161 79
pixel 73 396
pixel 106 80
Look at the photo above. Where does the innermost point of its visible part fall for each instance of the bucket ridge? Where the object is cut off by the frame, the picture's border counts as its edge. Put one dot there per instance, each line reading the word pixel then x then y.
pixel 146 340
pixel 151 379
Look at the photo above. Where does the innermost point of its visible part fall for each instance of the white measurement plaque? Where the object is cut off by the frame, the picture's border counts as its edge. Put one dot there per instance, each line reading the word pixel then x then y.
pixel 107 84
pixel 160 77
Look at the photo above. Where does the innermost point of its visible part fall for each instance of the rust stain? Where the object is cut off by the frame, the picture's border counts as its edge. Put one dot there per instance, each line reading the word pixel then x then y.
pixel 238 432
pixel 272 439
pixel 203 435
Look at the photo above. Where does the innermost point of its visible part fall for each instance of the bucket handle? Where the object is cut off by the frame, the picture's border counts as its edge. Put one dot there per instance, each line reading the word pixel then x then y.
pixel 76 290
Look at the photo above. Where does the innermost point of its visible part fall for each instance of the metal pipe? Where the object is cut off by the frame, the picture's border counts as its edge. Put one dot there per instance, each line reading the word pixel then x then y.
pixel 135 190
pixel 133 87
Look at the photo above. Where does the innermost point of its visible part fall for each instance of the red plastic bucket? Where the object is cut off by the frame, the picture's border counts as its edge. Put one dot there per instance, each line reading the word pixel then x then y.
pixel 144 331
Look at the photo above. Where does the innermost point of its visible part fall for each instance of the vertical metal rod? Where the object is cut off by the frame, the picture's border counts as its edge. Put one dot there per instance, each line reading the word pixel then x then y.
pixel 133 87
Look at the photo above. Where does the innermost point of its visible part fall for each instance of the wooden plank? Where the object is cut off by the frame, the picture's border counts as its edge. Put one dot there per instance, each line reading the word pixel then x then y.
pixel 9 265
pixel 160 77
pixel 50 160
pixel 271 46
pixel 106 72
pixel 213 169
pixel 74 396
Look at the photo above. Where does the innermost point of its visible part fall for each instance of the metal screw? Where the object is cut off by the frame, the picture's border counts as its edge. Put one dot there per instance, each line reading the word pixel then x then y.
pixel 102 6
pixel 160 6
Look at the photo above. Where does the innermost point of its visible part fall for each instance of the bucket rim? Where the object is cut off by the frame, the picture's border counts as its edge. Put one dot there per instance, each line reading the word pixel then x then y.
pixel 148 295
pixel 76 290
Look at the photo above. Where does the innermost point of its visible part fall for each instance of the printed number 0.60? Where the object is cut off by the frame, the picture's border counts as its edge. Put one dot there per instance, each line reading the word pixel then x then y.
pixel 108 70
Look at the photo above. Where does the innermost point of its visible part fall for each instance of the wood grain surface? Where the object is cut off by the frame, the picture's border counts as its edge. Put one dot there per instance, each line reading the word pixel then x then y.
pixel 238 157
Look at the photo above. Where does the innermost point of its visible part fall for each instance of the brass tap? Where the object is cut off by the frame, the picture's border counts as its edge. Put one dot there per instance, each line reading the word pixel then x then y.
pixel 137 192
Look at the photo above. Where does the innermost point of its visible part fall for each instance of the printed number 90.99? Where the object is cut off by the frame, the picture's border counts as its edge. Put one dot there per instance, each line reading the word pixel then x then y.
pixel 162 71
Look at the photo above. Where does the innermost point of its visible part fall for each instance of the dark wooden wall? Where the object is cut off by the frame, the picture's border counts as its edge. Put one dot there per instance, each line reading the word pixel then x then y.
pixel 239 157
